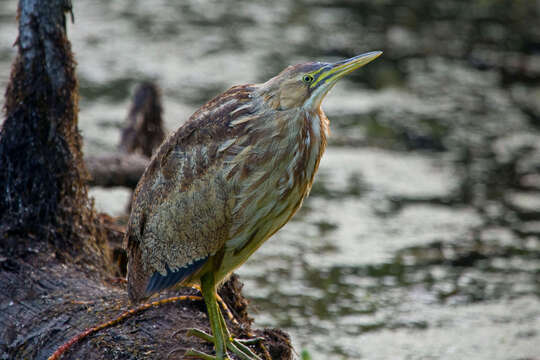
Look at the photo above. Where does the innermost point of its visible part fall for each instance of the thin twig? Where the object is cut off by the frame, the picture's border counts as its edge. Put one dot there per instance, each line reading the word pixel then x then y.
pixel 68 344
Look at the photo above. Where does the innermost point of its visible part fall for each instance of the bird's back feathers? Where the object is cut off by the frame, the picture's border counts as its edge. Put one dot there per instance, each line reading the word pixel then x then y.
pixel 182 206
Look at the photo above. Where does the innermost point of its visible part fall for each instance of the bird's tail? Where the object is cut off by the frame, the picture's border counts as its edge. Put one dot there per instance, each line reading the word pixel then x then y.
pixel 137 277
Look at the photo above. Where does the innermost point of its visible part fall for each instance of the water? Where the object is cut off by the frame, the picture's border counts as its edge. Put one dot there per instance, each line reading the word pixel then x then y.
pixel 421 237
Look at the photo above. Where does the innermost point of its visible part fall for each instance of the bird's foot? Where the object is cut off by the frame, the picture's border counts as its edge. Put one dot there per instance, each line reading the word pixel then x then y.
pixel 238 347
pixel 195 354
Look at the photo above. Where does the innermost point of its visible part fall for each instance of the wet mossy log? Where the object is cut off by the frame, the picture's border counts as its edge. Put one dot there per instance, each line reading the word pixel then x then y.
pixel 118 169
pixel 57 276
pixel 45 302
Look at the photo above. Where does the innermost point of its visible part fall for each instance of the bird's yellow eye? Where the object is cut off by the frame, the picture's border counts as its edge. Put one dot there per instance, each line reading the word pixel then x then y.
pixel 307 79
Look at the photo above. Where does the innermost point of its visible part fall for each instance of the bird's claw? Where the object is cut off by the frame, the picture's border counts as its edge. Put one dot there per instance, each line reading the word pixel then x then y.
pixel 251 341
pixel 236 346
pixel 195 354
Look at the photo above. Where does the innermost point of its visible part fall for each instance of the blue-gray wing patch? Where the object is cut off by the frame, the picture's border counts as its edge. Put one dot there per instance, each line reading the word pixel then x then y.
pixel 159 282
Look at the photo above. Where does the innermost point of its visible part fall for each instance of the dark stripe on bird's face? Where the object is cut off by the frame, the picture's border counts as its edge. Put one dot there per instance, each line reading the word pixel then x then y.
pixel 315 69
pixel 323 68
pixel 159 282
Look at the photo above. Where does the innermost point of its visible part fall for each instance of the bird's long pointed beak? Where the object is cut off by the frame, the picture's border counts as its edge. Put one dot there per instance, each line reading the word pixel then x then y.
pixel 328 75
pixel 341 68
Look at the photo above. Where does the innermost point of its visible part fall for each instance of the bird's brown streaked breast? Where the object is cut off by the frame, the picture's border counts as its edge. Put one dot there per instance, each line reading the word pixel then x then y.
pixel 269 198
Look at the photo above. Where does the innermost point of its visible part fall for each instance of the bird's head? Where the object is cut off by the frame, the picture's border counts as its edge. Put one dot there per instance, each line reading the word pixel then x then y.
pixel 305 85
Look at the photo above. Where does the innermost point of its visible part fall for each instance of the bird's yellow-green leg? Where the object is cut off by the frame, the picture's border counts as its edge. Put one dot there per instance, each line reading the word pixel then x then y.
pixel 208 288
pixel 222 338
pixel 221 301
pixel 230 316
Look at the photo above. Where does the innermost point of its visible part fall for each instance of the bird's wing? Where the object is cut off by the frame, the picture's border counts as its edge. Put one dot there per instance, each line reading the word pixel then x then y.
pixel 181 209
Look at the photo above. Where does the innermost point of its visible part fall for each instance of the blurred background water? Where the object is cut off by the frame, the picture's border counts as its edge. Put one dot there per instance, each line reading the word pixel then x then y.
pixel 421 239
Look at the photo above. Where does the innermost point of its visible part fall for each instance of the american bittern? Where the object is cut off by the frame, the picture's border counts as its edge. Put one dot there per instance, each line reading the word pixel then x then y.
pixel 227 180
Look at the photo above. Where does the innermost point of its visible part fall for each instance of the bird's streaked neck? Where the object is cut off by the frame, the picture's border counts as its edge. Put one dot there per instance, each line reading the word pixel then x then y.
pixel 306 120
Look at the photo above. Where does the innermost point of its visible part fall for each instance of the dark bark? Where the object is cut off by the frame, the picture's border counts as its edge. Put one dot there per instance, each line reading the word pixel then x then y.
pixel 44 306
pixel 42 176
